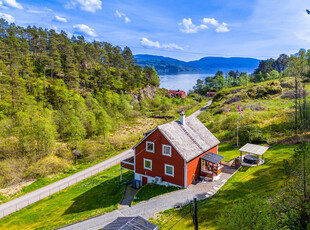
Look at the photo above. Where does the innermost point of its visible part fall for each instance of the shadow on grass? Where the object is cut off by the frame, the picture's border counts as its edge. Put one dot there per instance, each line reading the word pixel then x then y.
pixel 262 181
pixel 108 193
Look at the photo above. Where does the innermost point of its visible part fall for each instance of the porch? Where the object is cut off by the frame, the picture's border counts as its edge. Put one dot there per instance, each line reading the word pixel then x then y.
pixel 129 164
pixel 211 165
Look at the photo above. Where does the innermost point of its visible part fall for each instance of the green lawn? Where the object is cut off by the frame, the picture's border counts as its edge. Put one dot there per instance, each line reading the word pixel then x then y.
pixel 228 151
pixel 152 190
pixel 95 195
pixel 261 181
pixel 51 179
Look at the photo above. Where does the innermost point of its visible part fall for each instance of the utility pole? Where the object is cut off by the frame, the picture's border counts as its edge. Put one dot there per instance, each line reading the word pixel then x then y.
pixel 195 220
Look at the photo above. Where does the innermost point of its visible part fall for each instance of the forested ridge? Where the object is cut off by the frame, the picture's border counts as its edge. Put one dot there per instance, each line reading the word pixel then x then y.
pixel 58 90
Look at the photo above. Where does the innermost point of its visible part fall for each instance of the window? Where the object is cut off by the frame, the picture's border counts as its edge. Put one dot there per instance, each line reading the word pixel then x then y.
pixel 150 146
pixel 147 164
pixel 167 150
pixel 169 170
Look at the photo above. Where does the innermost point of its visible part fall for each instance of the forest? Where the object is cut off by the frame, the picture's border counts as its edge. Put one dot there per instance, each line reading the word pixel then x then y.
pixel 58 95
pixel 267 70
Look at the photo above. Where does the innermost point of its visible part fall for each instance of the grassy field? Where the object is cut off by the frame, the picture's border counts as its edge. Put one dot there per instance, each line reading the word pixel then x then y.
pixel 152 190
pixel 261 181
pixel 95 195
pixel 228 151
pixel 263 104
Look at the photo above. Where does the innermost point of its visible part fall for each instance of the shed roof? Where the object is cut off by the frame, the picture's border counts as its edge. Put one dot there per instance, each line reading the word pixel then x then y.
pixel 191 139
pixel 254 149
pixel 129 223
pixel 212 157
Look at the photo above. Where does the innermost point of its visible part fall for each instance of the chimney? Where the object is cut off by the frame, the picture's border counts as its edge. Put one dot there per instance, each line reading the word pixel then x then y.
pixel 182 118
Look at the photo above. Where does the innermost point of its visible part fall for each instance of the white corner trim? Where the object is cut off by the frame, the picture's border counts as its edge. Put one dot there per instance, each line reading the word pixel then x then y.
pixel 185 174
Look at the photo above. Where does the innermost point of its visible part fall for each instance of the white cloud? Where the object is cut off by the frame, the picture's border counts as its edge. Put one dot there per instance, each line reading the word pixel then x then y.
pixel 210 21
pixel 2 6
pixel 222 28
pixel 122 15
pixel 13 3
pixel 87 5
pixel 127 19
pixel 85 29
pixel 60 19
pixel 7 17
pixel 189 28
pixel 119 14
pixel 148 43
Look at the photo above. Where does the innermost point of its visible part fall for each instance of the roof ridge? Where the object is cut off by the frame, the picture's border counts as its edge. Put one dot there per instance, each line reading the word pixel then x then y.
pixel 190 136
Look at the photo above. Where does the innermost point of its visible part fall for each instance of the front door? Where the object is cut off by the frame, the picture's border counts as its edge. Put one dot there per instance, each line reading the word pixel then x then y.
pixel 144 180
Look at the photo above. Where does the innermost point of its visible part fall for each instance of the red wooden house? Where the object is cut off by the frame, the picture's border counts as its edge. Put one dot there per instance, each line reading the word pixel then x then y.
pixel 176 153
pixel 211 94
pixel 176 93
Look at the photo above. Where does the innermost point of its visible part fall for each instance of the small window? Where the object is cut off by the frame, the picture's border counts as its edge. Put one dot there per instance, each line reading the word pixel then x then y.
pixel 150 146
pixel 169 170
pixel 167 150
pixel 147 164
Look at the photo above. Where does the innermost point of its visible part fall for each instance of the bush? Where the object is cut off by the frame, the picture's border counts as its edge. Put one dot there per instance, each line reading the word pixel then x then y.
pixel 47 166
pixel 12 171
pixel 91 150
pixel 250 134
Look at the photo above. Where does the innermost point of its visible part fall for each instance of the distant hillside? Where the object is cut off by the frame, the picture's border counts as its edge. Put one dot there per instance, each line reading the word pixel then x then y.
pixel 165 65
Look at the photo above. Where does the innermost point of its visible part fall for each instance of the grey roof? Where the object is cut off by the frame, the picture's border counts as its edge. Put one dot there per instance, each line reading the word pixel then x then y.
pixel 191 139
pixel 130 223
pixel 212 157
pixel 254 149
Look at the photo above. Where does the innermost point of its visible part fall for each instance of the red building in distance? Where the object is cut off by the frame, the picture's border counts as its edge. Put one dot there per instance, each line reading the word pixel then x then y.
pixel 176 93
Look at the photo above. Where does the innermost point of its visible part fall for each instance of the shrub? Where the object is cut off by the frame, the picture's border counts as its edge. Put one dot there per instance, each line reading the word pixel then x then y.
pixel 92 149
pixel 48 165
pixel 250 134
pixel 12 170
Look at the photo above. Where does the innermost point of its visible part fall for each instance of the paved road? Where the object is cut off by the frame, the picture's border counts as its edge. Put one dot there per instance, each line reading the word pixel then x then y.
pixel 202 109
pixel 149 208
pixel 32 197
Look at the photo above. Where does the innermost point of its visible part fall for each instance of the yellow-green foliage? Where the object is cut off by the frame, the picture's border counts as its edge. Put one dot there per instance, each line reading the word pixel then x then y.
pixel 12 170
pixel 262 106
pixel 48 165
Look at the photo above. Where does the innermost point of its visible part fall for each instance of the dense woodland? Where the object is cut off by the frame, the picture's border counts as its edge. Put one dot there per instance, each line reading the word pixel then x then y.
pixel 57 90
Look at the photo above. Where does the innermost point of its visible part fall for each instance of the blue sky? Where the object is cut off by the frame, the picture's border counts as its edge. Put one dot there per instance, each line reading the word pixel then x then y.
pixel 187 30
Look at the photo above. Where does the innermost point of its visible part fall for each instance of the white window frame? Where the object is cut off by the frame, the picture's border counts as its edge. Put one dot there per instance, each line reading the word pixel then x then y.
pixel 172 170
pixel 144 160
pixel 163 152
pixel 150 142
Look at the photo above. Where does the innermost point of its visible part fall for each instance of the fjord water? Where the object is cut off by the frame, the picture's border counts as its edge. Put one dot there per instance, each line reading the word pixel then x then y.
pixel 181 81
